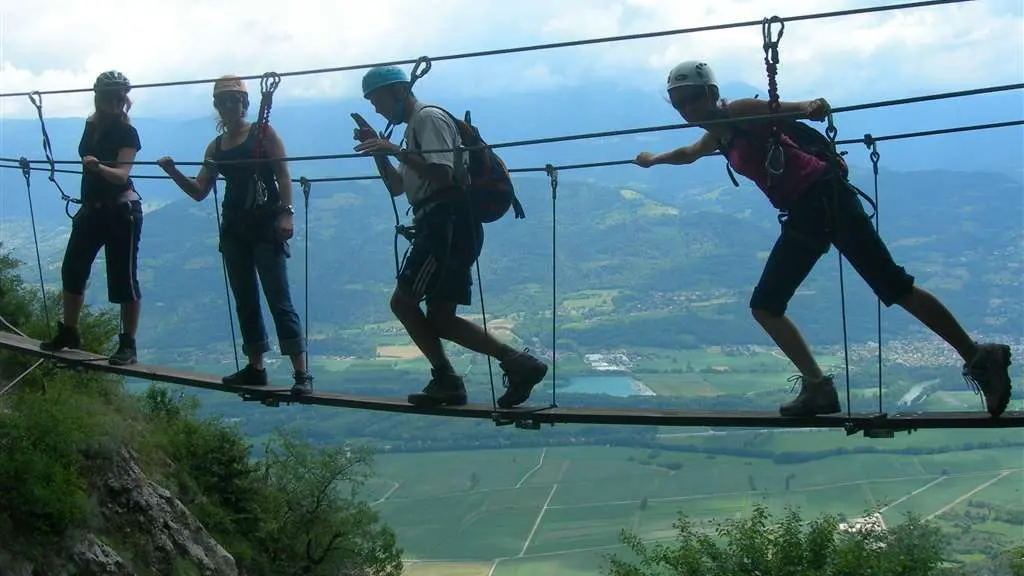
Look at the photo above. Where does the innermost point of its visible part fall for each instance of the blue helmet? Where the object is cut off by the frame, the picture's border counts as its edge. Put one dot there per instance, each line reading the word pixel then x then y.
pixel 382 76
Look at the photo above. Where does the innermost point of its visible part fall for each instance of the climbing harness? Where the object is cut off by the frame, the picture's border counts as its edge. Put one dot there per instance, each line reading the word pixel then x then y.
pixel 26 172
pixel 48 150
pixel 552 173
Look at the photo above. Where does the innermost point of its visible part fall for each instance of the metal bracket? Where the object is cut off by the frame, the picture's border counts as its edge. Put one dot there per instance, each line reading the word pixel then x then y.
pixel 871 431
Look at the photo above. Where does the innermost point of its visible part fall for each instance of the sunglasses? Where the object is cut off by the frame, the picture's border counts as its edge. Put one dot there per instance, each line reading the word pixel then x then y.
pixel 228 99
pixel 685 96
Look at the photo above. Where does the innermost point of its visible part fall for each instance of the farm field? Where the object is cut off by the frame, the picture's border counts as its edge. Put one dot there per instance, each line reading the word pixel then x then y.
pixel 558 510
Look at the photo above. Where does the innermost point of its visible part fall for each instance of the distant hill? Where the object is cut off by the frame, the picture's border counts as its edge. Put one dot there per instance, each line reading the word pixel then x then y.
pixel 955 231
pixel 325 128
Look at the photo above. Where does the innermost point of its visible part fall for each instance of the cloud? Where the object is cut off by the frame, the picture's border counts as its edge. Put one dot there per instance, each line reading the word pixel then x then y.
pixel 851 58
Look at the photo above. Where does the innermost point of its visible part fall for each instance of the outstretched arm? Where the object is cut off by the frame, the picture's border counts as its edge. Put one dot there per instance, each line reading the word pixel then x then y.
pixel 199 188
pixel 816 109
pixel 706 145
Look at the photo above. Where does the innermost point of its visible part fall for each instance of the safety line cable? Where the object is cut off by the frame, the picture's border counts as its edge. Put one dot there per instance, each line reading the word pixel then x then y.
pixel 606 133
pixel 14 163
pixel 532 47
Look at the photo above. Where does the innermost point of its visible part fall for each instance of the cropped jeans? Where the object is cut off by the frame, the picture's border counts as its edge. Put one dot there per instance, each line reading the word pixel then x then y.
pixel 246 259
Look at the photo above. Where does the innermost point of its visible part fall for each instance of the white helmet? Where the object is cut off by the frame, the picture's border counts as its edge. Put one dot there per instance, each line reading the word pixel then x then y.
pixel 691 73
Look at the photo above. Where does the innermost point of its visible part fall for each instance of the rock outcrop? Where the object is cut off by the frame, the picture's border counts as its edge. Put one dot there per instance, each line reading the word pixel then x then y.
pixel 163 536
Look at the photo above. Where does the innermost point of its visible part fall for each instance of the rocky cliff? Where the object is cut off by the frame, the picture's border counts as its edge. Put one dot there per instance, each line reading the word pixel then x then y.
pixel 155 534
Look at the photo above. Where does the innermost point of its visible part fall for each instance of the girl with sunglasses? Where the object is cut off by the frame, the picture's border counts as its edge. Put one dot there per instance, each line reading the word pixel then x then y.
pixel 257 224
pixel 110 218
pixel 821 209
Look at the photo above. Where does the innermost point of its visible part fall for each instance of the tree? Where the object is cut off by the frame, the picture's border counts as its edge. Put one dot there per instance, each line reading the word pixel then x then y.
pixel 760 544
pixel 312 526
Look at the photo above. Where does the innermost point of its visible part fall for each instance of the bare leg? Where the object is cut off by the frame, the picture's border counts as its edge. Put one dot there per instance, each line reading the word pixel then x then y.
pixel 932 313
pixel 788 338
pixel 420 330
pixel 73 304
pixel 298 362
pixel 256 360
pixel 130 312
pixel 465 333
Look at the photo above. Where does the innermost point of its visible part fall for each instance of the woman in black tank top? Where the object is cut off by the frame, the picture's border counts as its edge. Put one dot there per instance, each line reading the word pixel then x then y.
pixel 257 224
pixel 110 218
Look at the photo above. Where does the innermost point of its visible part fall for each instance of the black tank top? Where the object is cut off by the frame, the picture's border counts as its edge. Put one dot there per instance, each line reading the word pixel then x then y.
pixel 240 191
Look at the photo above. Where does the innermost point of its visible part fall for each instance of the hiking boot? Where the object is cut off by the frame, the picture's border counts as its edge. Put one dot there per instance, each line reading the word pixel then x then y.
pixel 814 398
pixel 989 375
pixel 126 353
pixel 444 388
pixel 66 338
pixel 248 376
pixel 303 384
pixel 522 373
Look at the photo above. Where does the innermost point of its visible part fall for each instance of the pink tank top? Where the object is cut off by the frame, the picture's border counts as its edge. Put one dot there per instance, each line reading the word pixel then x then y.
pixel 747 156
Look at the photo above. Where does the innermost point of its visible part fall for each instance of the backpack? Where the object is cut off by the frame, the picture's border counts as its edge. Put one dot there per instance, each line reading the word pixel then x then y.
pixel 491 191
pixel 808 140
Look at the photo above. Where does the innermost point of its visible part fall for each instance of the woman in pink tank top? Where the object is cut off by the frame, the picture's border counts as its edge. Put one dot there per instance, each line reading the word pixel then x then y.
pixel 821 210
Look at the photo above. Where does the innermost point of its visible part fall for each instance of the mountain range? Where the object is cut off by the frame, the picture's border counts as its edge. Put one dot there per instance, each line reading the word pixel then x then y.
pixel 950 207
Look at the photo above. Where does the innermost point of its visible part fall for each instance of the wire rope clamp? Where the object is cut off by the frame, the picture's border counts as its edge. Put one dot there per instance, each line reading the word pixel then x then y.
pixel 552 173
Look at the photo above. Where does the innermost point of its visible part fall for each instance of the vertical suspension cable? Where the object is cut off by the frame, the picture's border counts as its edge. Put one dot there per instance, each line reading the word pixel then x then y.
pixel 483 313
pixel 26 171
pixel 831 132
pixel 306 186
pixel 869 141
pixel 552 173
pixel 224 267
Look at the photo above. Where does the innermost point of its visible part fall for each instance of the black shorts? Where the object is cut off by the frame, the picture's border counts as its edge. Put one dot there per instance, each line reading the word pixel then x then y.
pixel 828 213
pixel 438 266
pixel 116 228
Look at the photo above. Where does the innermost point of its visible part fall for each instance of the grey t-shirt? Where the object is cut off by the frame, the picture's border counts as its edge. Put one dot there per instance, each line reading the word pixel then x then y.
pixel 431 129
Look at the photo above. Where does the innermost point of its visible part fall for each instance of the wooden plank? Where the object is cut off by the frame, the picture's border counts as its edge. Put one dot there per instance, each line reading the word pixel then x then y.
pixel 533 416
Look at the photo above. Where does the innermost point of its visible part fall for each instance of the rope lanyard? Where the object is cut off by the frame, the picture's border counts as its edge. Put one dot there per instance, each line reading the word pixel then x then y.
pixel 48 151
pixel 775 162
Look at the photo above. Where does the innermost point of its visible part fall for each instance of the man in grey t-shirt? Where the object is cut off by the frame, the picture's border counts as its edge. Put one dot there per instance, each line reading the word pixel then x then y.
pixel 446 243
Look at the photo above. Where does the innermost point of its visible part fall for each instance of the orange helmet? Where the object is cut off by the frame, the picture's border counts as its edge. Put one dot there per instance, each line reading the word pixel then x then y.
pixel 229 83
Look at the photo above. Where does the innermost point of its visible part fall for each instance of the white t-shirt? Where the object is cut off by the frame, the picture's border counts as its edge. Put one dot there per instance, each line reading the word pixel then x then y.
pixel 431 129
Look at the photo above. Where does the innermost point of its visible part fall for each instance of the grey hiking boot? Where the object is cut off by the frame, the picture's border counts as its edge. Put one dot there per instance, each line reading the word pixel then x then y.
pixel 126 353
pixel 303 384
pixel 814 398
pixel 444 388
pixel 67 337
pixel 247 376
pixel 989 374
pixel 522 372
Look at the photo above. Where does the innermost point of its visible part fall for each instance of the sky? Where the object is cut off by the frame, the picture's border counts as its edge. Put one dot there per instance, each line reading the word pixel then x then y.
pixel 54 44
